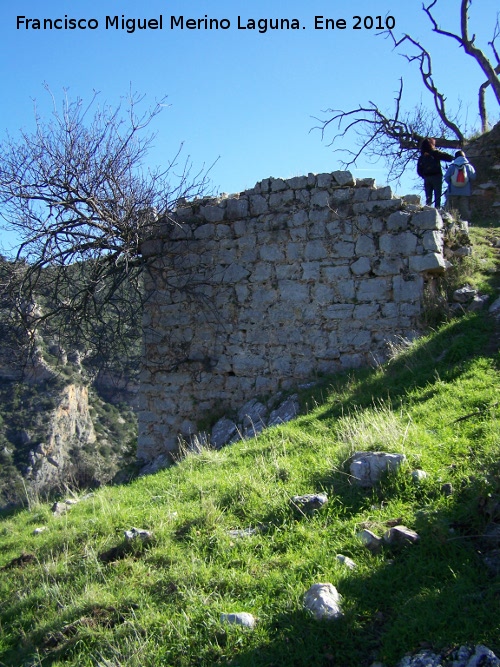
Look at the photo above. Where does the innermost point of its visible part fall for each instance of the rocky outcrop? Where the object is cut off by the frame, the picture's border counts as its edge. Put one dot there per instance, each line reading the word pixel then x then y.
pixel 69 427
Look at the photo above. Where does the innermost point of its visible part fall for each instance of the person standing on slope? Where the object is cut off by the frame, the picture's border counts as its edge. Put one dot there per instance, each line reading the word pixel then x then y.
pixel 459 176
pixel 429 168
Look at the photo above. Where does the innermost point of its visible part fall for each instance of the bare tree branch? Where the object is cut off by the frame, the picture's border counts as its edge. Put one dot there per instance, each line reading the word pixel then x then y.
pixel 78 195
pixel 468 44
pixel 395 137
pixel 425 66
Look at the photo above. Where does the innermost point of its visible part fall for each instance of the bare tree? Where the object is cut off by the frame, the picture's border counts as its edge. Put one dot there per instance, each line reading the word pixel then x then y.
pixel 77 193
pixel 396 136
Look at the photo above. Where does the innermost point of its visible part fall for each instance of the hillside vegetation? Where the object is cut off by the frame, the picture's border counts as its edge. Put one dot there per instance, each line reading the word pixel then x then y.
pixel 76 592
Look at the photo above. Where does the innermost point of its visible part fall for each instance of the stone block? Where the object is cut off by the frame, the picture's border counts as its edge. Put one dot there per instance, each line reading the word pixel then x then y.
pixel 365 246
pixel 298 219
pixel 262 272
pixel 341 196
pixel 361 340
pixel 428 218
pixel 297 182
pixel 346 290
pixel 271 253
pixel 372 289
pixel 431 262
pixel 361 266
pixel 310 271
pixel 258 205
pixel 365 183
pixel 361 194
pixel 204 231
pixel 339 311
pixel 293 292
pixel 288 271
pixel 384 192
pixel 343 249
pixel 318 229
pixel 382 206
pixel 277 184
pixel 335 274
pixel 388 266
pixel 343 178
pixel 237 209
pixel 324 180
pixel 404 243
pixel 303 196
pixel 407 288
pixel 320 198
pixel 433 241
pixel 366 311
pixel 398 220
pixel 298 234
pixel 234 273
pixel 212 213
pixel 278 199
pixel 315 250
pixel 351 361
pixel 319 216
pixel 248 364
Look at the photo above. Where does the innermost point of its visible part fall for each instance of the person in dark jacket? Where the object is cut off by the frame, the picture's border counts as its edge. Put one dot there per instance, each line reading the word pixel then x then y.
pixel 459 186
pixel 429 168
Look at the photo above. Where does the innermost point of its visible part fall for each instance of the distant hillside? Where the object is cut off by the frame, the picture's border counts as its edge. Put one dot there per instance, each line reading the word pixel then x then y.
pixel 66 416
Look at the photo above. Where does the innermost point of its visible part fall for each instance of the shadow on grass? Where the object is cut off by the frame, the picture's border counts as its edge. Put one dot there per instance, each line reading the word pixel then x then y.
pixel 433 595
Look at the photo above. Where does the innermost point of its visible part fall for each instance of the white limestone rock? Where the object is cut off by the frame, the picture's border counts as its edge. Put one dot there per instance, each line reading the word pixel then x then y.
pixel 367 468
pixel 419 475
pixel 464 294
pixel 242 618
pixel 310 501
pixel 346 561
pixel 370 540
pixel 323 601
pixel 137 533
pixel 223 432
pixel 401 535
pixel 285 412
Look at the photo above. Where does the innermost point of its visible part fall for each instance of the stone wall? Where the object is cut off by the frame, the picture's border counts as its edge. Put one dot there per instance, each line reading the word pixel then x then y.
pixel 258 291
pixel 484 154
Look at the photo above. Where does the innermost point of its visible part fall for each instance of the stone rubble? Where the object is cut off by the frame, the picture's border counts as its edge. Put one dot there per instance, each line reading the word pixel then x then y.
pixel 465 656
pixel 252 419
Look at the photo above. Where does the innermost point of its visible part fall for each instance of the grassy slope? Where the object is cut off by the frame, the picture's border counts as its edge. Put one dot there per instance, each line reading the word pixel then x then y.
pixel 86 598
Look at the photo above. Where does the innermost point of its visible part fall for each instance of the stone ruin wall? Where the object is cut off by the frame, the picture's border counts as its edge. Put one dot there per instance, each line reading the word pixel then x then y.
pixel 256 292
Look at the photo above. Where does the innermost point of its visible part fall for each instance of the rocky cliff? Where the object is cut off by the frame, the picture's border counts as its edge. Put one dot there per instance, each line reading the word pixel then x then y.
pixel 58 431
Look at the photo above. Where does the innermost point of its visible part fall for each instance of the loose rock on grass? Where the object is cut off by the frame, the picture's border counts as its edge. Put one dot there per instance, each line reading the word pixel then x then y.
pixel 323 601
pixel 242 618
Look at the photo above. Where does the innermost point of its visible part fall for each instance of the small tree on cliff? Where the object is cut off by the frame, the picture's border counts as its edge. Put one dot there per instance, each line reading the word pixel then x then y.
pixel 77 194
pixel 396 137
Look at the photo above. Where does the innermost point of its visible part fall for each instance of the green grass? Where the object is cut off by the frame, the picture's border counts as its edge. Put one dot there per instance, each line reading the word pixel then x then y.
pixel 84 597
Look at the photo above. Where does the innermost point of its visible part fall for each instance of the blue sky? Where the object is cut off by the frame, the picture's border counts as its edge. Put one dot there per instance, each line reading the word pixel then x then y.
pixel 245 97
